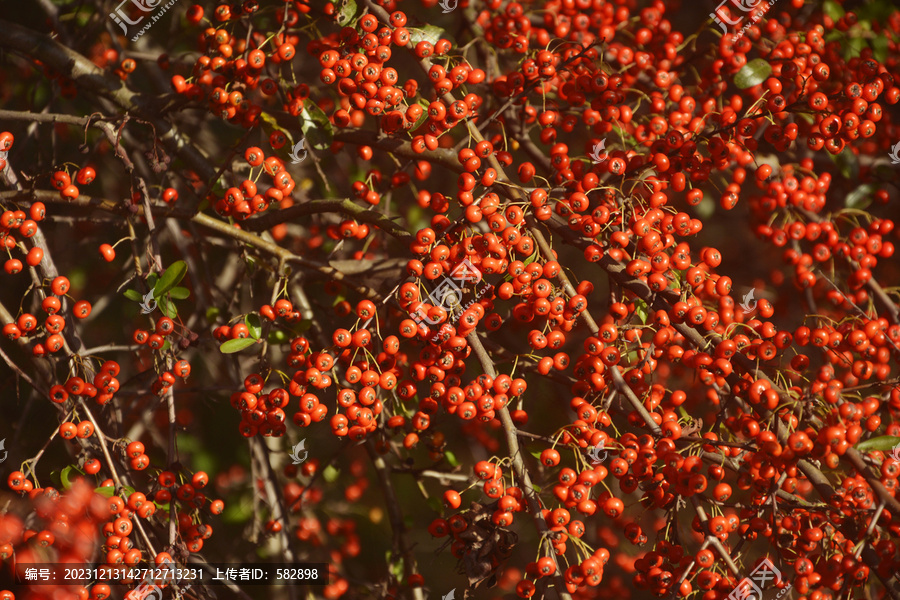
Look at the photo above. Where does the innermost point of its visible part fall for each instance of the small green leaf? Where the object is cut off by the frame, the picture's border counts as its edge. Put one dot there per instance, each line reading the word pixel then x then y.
pixel 317 129
pixel 753 73
pixel 833 9
pixel 236 345
pixel 277 337
pixel 253 324
pixel 180 293
pixel 109 491
pixel 270 125
pixel 211 314
pixel 451 459
pixel 238 512
pixel 847 163
pixel 330 474
pixel 853 46
pixel 435 504
pixel 879 47
pixel 861 197
pixel 69 475
pixel 641 310
pixel 420 120
pixel 395 566
pixel 167 307
pixel 133 295
pixel 346 10
pixel 429 33
pixel 882 442
pixel 172 277
pixel 151 280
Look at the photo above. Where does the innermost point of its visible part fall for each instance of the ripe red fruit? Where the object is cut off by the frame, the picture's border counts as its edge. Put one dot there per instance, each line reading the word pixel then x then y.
pixel 107 252
pixel 85 175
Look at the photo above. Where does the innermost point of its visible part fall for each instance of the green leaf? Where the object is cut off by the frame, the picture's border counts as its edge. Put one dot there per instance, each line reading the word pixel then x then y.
pixel 330 474
pixel 706 208
pixel 151 280
pixel 109 491
pixel 317 129
pixel 277 337
pixel 172 277
pixel 232 346
pixel 180 293
pixel 847 163
pixel 238 512
pixel 395 565
pixel 435 504
pixel 211 314
pixel 134 295
pixel 69 475
pixel 833 9
pixel 270 125
pixel 167 307
pixel 861 197
pixel 346 10
pixel 429 33
pixel 253 324
pixel 451 459
pixel 853 46
pixel 420 120
pixel 641 310
pixel 753 73
pixel 883 442
pixel 879 47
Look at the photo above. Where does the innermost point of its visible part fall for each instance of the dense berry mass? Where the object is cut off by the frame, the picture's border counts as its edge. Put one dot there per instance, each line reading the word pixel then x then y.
pixel 564 299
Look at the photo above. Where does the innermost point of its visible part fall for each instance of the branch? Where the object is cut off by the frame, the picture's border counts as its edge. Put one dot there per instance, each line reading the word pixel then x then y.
pixel 518 466
pixel 95 81
pixel 400 545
